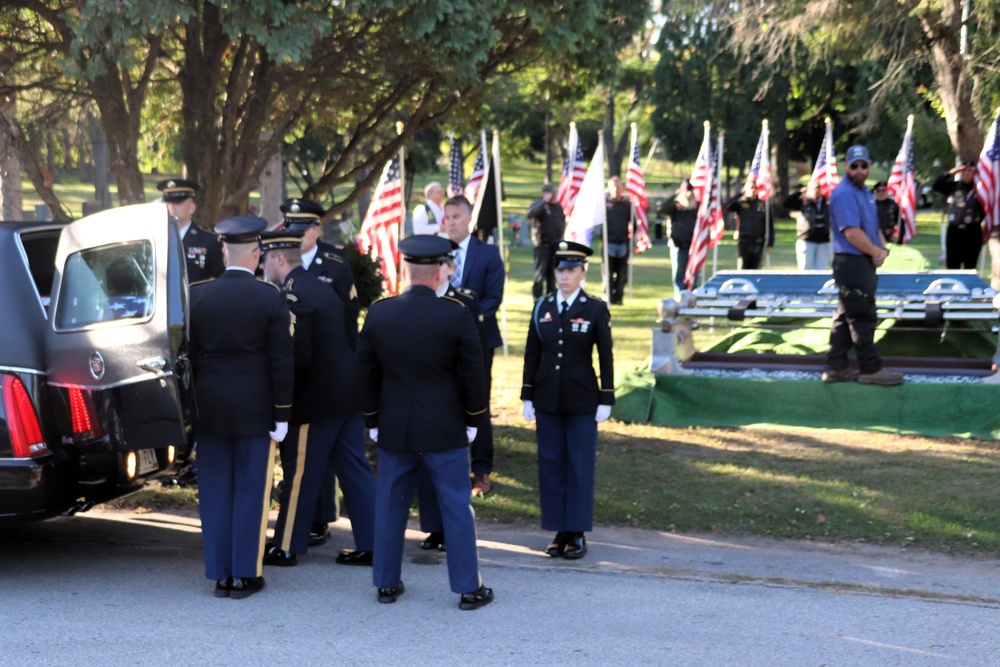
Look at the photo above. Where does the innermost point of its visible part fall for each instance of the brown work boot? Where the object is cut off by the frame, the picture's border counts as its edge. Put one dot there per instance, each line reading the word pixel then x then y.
pixel 840 375
pixel 481 484
pixel 883 377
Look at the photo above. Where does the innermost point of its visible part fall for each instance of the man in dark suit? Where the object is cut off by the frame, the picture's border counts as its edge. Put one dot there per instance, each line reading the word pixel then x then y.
pixel 242 355
pixel 423 410
pixel 324 407
pixel 331 266
pixel 202 249
pixel 478 267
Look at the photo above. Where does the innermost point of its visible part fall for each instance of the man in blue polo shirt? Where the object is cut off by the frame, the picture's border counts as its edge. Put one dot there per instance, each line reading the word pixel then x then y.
pixel 858 249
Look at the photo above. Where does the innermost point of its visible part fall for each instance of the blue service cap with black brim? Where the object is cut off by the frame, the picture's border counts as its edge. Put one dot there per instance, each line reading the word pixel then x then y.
pixel 241 229
pixel 176 189
pixel 279 239
pixel 569 254
pixel 427 249
pixel 301 213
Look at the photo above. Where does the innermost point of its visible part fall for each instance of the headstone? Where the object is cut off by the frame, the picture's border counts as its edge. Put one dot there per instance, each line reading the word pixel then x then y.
pixel 42 213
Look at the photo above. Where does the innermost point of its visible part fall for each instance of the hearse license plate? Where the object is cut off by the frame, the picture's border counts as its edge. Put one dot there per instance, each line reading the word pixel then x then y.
pixel 147 461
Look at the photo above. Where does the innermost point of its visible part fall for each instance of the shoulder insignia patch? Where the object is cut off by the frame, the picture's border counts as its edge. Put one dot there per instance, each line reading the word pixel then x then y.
pixel 291 297
pixel 354 292
pixel 291 324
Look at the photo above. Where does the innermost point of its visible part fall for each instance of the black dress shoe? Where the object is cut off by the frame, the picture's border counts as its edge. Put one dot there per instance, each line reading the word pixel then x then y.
pixel 480 597
pixel 558 545
pixel 319 534
pixel 244 587
pixel 389 595
pixel 355 557
pixel 223 587
pixel 434 540
pixel 576 546
pixel 276 556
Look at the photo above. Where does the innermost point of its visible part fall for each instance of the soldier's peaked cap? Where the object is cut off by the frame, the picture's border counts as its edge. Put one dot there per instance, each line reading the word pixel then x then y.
pixel 241 229
pixel 301 211
pixel 569 254
pixel 280 238
pixel 426 249
pixel 176 189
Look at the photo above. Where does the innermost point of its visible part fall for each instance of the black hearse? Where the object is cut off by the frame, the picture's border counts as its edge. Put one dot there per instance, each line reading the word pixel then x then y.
pixel 93 369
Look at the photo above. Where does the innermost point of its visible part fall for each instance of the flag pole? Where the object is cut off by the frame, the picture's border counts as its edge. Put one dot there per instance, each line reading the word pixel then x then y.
pixel 718 184
pixel 497 183
pixel 401 228
pixel 767 202
pixel 605 270
pixel 631 222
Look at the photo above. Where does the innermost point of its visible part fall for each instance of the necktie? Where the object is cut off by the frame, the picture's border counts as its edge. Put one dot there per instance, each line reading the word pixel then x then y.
pixel 456 276
pixel 563 309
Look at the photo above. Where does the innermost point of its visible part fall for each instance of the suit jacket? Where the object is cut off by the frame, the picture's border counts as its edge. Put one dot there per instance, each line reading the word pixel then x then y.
pixel 558 356
pixel 331 266
pixel 203 254
pixel 324 361
pixel 242 354
pixel 421 402
pixel 483 273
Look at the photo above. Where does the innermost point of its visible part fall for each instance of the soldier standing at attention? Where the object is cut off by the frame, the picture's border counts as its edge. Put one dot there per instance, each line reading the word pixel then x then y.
pixel 423 410
pixel 562 390
pixel 964 238
pixel 242 354
pixel 202 249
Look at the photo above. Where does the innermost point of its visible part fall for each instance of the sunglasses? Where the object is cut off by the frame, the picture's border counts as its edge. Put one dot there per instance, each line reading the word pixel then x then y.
pixel 858 166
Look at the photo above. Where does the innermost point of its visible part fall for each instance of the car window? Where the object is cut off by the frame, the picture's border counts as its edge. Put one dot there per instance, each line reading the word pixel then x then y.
pixel 106 284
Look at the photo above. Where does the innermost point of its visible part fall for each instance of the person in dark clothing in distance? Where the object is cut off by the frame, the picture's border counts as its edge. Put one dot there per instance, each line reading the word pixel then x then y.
pixel 619 218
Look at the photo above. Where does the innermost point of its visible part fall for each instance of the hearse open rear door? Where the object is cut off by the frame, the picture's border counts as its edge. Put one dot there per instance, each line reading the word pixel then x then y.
pixel 118 319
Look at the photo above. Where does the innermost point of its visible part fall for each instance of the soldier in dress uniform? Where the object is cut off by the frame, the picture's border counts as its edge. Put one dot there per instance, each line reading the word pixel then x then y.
pixel 331 266
pixel 242 355
pixel 561 389
pixel 202 249
pixel 423 410
pixel 964 238
pixel 427 503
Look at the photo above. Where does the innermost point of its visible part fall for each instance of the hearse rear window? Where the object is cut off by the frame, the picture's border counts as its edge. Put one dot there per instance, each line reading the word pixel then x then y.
pixel 106 284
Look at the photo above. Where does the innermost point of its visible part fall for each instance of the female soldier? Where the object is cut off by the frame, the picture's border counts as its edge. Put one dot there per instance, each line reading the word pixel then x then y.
pixel 560 384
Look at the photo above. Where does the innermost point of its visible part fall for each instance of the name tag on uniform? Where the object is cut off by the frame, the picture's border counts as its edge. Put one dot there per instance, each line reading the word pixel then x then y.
pixel 579 325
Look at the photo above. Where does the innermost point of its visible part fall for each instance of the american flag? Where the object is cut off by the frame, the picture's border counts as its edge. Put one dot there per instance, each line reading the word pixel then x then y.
pixel 902 184
pixel 379 234
pixel 635 184
pixel 718 222
pixel 478 170
pixel 825 172
pixel 988 178
pixel 760 168
pixel 709 219
pixel 573 173
pixel 700 177
pixel 455 180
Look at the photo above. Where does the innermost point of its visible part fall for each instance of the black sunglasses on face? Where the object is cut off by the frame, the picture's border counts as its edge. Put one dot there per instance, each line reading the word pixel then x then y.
pixel 856 166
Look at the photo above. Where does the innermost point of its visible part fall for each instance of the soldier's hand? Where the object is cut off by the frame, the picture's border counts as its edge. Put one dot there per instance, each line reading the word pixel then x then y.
pixel 470 433
pixel 528 411
pixel 603 412
pixel 373 434
pixel 279 432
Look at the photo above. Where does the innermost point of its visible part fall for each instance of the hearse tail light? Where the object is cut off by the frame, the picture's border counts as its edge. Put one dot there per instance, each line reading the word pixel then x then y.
pixel 22 420
pixel 82 414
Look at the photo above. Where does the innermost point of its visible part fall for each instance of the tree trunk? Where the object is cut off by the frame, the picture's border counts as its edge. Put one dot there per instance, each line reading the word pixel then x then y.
pixel 11 194
pixel 954 79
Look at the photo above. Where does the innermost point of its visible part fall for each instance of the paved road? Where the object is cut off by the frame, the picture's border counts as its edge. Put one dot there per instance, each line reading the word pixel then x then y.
pixel 109 588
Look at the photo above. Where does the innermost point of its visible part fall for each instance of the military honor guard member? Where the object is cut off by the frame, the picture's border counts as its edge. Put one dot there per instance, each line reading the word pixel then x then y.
pixel 563 394
pixel 202 248
pixel 325 407
pixel 331 266
pixel 242 355
pixel 423 410
pixel 964 237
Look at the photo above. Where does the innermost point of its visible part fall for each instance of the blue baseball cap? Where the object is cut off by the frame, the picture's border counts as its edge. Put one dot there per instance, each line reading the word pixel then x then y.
pixel 856 153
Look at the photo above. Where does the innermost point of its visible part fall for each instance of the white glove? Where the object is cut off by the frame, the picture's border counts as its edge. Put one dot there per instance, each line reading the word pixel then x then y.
pixel 470 433
pixel 603 412
pixel 279 432
pixel 373 434
pixel 528 410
